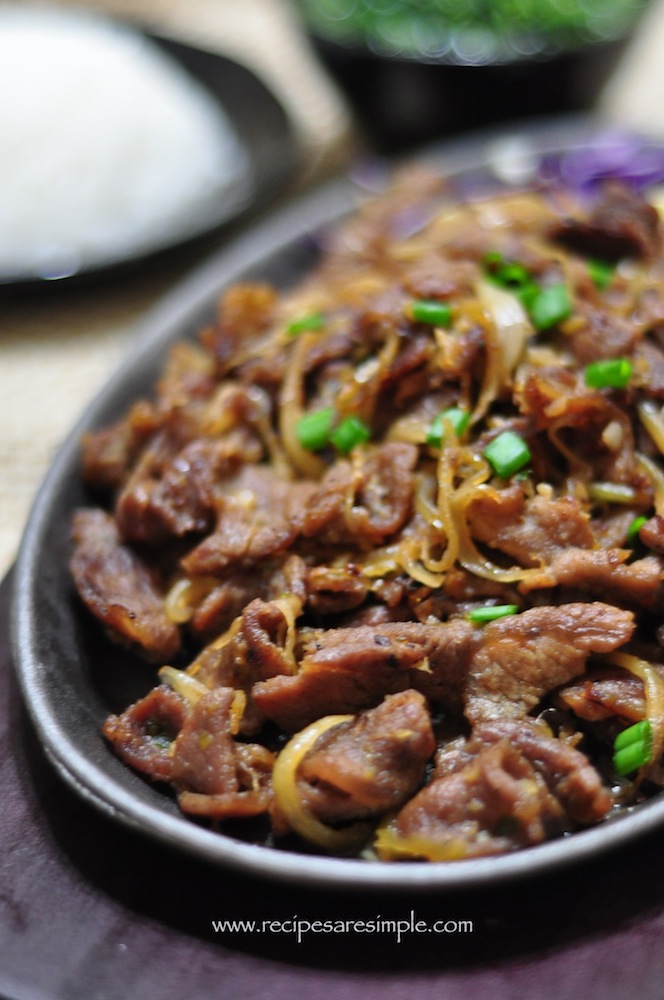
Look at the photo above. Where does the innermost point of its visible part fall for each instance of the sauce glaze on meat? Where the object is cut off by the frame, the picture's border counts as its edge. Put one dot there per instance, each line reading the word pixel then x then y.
pixel 392 643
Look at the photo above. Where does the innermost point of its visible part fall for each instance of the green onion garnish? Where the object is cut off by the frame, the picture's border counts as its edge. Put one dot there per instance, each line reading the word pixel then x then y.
pixel 490 614
pixel 507 273
pixel 632 748
pixel 513 277
pixel 601 273
pixel 613 373
pixel 350 432
pixel 507 453
pixel 458 420
pixel 313 429
pixel 312 321
pixel 432 312
pixel 551 305
pixel 634 529
pixel 545 306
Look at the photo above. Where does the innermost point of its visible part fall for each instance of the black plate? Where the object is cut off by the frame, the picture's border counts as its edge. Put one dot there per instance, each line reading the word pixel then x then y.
pixel 266 140
pixel 71 677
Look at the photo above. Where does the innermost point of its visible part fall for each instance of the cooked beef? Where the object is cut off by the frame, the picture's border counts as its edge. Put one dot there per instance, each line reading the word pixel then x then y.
pixel 604 693
pixel 227 597
pixel 260 515
pixel 109 454
pixel 513 786
pixel 371 765
pixel 363 506
pixel 621 224
pixel 606 573
pixel 358 565
pixel 349 669
pixel 144 734
pixel 598 335
pixel 214 775
pixel 520 659
pixel 652 533
pixel 170 495
pixel 332 590
pixel 119 588
pixel 530 531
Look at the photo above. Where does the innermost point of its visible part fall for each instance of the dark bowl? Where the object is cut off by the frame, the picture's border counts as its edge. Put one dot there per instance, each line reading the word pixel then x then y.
pixel 402 99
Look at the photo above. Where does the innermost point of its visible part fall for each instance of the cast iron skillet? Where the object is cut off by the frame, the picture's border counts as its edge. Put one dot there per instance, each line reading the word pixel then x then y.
pixel 71 677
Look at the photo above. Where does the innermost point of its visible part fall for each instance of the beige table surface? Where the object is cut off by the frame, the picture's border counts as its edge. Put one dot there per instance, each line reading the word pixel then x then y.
pixel 56 351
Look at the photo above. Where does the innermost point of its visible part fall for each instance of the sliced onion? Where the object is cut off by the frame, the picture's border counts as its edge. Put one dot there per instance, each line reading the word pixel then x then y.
pixel 288 801
pixel 654 471
pixel 185 595
pixel 185 685
pixel 391 846
pixel 506 340
pixel 652 419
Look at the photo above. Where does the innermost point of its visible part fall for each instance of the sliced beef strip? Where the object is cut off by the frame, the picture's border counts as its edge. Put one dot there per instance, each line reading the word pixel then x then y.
pixel 621 224
pixel 605 573
pixel 652 533
pixel 370 765
pixel 215 776
pixel 511 785
pixel 253 650
pixel 245 311
pixel 530 530
pixel 502 669
pixel 119 588
pixel 523 657
pixel 363 506
pixel 598 334
pixel 143 735
pixel 169 496
pixel 108 455
pixel 204 751
pixel 604 693
pixel 172 491
pixel 260 515
pixel 566 770
pixel 283 574
pixel 346 670
pixel 495 804
pixel 332 590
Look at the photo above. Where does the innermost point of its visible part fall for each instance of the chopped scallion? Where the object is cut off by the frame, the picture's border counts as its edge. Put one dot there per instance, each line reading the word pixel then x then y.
pixel 611 373
pixel 511 276
pixel 350 432
pixel 431 311
pixel 632 748
pixel 312 321
pixel 507 454
pixel 601 273
pixel 313 429
pixel 458 420
pixel 634 528
pixel 550 306
pixel 491 613
pixel 545 306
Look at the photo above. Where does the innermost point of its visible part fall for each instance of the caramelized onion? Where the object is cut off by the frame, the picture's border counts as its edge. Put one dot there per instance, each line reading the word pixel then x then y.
pixel 288 800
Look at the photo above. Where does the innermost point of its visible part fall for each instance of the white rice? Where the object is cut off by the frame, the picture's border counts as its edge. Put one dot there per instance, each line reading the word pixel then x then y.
pixel 107 146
